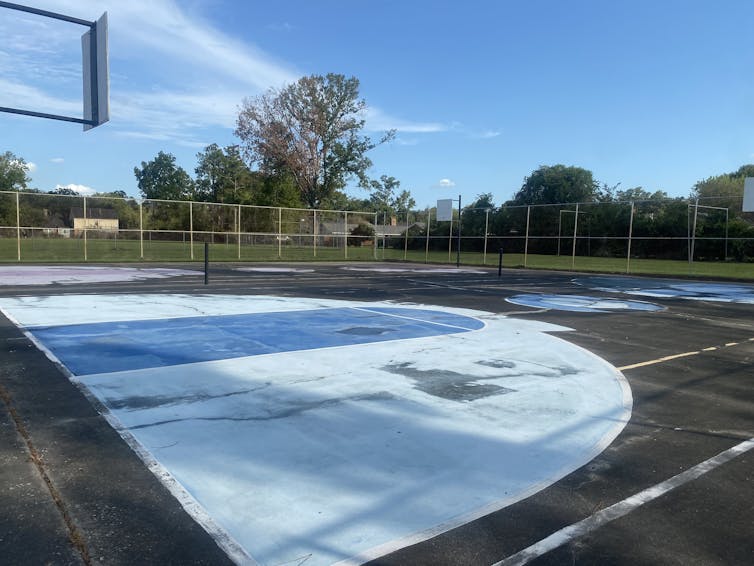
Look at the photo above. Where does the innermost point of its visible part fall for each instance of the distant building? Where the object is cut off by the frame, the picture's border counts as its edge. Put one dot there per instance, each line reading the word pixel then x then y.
pixel 95 219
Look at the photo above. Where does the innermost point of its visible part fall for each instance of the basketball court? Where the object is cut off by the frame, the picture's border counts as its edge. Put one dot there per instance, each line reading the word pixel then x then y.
pixel 325 413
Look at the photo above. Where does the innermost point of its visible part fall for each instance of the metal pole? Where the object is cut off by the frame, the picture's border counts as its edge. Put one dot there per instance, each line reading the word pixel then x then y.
pixel 141 231
pixel 526 241
pixel 384 228
pixel 85 223
pixel 191 228
pixel 486 227
pixel 575 227
pixel 280 233
pixel 18 227
pixel 500 264
pixel 560 220
pixel 458 251
pixel 345 233
pixel 450 237
pixel 693 233
pixel 630 235
pixel 405 239
pixel 429 222
pixel 238 229
pixel 726 234
pixel 376 242
pixel 206 263
pixel 315 231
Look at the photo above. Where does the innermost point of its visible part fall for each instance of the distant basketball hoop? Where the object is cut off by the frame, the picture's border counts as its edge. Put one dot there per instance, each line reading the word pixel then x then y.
pixel 748 205
pixel 94 51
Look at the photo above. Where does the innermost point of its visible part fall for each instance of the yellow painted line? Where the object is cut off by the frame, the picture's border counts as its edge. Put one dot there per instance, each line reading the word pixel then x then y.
pixel 659 360
pixel 676 356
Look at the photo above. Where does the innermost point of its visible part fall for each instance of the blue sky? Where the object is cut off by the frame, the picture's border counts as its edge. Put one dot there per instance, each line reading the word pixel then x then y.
pixel 657 94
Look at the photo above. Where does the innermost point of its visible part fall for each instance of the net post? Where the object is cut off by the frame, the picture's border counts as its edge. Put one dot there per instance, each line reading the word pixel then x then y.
pixel 18 226
pixel 206 263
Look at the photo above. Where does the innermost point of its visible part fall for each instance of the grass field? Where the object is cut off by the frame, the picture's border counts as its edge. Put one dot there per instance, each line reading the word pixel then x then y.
pixel 71 250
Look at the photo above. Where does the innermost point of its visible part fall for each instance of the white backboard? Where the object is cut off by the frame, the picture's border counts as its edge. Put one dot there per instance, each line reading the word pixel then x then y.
pixel 445 210
pixel 748 205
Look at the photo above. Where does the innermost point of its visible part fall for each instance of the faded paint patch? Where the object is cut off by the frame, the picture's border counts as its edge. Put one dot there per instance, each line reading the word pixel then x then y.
pixel 69 275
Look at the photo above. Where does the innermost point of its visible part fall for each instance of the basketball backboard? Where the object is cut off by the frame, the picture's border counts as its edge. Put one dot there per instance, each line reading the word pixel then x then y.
pixel 748 205
pixel 96 75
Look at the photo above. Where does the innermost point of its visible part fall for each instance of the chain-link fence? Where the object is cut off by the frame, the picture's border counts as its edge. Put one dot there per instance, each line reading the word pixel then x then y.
pixel 653 236
pixel 607 236
pixel 45 227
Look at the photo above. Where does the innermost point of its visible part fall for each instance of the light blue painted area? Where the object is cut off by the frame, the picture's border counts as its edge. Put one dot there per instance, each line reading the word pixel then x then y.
pixel 581 303
pixel 314 454
pixel 129 345
pixel 670 289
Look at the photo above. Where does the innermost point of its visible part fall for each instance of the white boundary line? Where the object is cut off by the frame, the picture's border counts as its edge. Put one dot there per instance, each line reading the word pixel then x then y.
pixel 684 355
pixel 618 510
pixel 224 540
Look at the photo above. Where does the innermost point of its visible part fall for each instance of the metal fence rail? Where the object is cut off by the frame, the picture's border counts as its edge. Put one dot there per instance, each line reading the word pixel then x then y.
pixel 609 236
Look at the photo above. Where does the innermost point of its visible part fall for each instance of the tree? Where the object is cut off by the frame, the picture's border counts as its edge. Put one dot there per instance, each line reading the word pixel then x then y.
pixel 13 172
pixel 726 191
pixel 222 175
pixel 162 179
pixel 310 128
pixel 558 184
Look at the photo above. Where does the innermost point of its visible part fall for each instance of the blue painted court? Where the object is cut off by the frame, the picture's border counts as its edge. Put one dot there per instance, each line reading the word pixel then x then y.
pixel 105 347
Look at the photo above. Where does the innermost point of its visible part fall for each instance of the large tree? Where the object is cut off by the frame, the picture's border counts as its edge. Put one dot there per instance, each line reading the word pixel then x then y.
pixel 311 128
pixel 162 179
pixel 553 184
pixel 725 191
pixel 222 175
pixel 13 172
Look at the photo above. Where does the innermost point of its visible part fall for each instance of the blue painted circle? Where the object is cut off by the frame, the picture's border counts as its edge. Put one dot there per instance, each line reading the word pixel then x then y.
pixel 581 303
pixel 671 289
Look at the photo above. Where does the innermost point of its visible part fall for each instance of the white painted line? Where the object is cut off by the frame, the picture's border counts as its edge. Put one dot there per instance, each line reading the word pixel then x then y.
pixel 731 344
pixel 422 320
pixel 618 510
pixel 711 349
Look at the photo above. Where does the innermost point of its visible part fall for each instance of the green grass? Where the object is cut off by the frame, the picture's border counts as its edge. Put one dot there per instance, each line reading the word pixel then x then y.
pixel 71 250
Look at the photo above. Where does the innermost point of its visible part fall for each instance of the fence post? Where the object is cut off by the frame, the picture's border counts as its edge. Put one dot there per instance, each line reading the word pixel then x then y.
pixel 141 231
pixel 429 222
pixel 486 229
pixel 191 228
pixel 692 243
pixel 630 235
pixel 345 234
pixel 18 227
pixel 500 264
pixel 405 239
pixel 375 236
pixel 575 228
pixel 238 229
pixel 526 240
pixel 86 258
pixel 280 232
pixel 314 231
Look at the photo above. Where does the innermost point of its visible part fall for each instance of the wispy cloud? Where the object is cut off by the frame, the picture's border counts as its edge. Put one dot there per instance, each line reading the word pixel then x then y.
pixel 378 121
pixel 489 134
pixel 159 43
pixel 445 184
pixel 57 160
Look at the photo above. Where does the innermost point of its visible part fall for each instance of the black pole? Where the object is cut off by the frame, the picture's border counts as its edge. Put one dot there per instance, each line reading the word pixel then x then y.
pixel 500 264
pixel 458 251
pixel 206 263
